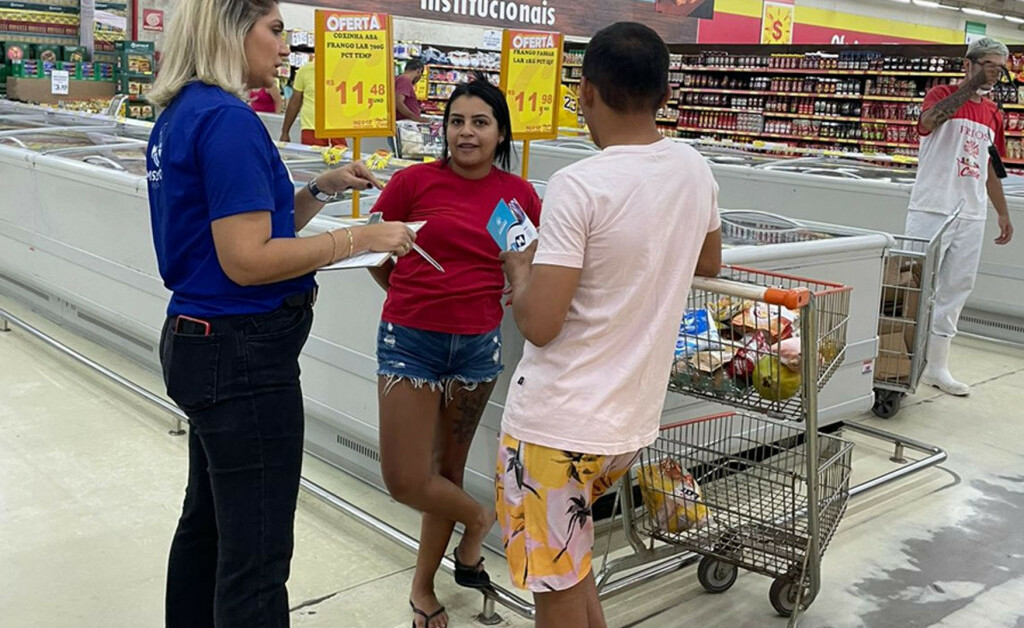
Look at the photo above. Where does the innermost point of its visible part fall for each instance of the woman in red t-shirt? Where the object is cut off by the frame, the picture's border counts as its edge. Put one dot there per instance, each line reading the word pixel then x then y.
pixel 439 341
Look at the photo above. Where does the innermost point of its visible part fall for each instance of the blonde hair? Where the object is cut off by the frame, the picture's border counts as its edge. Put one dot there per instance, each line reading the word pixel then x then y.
pixel 205 41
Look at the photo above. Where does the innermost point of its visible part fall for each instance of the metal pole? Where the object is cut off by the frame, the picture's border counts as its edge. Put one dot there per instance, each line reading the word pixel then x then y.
pixel 809 349
pixel 160 402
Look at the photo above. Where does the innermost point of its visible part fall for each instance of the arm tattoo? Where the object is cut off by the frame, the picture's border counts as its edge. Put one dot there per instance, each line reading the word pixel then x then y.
pixel 948 106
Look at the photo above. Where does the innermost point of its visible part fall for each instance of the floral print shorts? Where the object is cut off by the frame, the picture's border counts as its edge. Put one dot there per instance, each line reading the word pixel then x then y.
pixel 544 499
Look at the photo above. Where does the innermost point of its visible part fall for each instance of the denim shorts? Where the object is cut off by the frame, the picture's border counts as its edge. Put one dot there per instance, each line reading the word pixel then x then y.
pixel 435 358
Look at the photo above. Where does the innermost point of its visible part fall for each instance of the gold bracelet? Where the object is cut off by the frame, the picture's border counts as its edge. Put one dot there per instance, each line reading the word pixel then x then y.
pixel 351 242
pixel 334 247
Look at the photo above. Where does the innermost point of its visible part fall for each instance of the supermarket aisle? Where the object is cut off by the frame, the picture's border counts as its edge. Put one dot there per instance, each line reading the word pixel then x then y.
pixel 90 484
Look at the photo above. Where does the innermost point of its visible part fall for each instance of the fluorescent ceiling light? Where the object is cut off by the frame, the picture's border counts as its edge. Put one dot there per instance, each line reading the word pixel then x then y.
pixel 1015 20
pixel 926 3
pixel 980 12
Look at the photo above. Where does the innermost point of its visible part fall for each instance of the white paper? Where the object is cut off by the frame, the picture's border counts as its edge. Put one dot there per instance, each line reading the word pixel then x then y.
pixel 59 80
pixel 492 40
pixel 364 260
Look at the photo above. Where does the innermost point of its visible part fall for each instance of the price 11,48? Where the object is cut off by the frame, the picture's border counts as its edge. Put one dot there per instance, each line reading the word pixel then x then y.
pixel 357 93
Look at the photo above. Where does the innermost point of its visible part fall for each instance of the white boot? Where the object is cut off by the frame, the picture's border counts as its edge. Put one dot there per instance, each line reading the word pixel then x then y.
pixel 936 371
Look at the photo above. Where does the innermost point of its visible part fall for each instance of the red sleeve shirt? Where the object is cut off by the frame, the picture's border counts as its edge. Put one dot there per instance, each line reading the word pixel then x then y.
pixel 466 298
pixel 405 92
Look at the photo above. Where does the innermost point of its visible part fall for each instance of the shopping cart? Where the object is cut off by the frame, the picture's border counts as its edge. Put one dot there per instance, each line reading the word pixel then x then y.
pixel 748 502
pixel 417 140
pixel 904 322
pixel 762 492
pixel 735 329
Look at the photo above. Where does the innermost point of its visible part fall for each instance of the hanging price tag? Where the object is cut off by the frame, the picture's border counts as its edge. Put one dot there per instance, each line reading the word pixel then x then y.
pixel 59 81
pixel 531 68
pixel 354 75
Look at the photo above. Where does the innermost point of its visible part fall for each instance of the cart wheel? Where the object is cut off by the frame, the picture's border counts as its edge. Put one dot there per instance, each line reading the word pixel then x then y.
pixel 887 403
pixel 716 576
pixel 783 595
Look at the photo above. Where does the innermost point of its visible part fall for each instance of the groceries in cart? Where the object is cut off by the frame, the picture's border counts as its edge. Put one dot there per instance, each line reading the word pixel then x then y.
pixel 732 346
pixel 418 140
pixel 672 497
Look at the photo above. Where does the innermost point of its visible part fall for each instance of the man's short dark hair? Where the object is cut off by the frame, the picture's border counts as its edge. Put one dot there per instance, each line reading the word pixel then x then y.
pixel 413 64
pixel 628 64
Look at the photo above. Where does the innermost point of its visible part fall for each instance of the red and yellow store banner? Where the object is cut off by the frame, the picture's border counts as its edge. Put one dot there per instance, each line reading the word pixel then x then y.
pixel 764 21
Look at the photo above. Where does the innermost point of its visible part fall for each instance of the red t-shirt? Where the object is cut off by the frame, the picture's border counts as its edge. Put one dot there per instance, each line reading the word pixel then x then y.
pixel 466 298
pixel 406 92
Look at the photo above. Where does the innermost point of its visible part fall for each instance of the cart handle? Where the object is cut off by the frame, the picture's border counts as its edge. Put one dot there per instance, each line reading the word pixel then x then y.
pixel 792 298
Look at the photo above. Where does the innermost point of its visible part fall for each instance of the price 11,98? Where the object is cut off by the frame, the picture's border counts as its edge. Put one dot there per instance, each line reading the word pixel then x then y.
pixel 533 101
pixel 357 93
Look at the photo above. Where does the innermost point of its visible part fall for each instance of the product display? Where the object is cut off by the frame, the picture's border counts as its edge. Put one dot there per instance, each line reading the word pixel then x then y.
pixel 136 73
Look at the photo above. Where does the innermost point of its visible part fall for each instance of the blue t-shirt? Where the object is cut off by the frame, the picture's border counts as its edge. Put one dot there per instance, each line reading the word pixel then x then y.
pixel 210 157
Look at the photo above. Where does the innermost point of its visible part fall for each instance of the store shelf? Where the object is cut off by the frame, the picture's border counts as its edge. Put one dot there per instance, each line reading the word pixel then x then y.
pixel 727 109
pixel 889 144
pixel 571 80
pixel 463 67
pixel 572 65
pixel 1014 162
pixel 748 92
pixel 667 120
pixel 1012 105
pixel 811 138
pixel 693 129
pixel 816 71
pixel 893 98
pixel 445 82
pixel 1013 133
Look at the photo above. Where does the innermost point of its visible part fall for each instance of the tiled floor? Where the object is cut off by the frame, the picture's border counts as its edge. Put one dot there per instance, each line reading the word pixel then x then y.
pixel 91 483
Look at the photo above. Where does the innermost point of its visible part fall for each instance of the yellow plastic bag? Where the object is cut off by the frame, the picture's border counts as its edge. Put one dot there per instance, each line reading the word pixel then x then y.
pixel 673 497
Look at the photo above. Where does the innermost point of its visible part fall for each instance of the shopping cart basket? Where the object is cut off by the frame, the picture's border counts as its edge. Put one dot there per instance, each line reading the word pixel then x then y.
pixel 416 140
pixel 734 488
pixel 740 331
pixel 904 321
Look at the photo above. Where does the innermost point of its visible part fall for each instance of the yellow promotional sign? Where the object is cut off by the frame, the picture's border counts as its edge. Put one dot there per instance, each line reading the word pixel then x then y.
pixel 354 75
pixel 777 23
pixel 531 70
pixel 421 85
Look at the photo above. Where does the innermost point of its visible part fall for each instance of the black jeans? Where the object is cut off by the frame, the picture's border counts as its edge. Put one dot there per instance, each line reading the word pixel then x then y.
pixel 239 386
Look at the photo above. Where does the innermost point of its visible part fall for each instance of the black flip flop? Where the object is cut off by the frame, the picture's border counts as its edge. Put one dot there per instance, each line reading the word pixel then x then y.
pixel 470 576
pixel 426 623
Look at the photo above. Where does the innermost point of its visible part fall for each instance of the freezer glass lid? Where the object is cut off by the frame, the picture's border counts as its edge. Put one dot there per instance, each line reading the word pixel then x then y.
pixel 56 139
pixel 756 228
pixel 119 157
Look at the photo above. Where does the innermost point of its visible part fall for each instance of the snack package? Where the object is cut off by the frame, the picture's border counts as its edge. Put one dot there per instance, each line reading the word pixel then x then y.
pixel 727 307
pixel 672 497
pixel 777 321
pixel 697 332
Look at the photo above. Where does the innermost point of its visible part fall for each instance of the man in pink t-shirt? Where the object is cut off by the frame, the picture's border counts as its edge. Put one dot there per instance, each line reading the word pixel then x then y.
pixel 599 300
pixel 407 106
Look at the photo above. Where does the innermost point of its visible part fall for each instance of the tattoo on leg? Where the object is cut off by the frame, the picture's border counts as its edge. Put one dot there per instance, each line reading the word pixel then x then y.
pixel 470 406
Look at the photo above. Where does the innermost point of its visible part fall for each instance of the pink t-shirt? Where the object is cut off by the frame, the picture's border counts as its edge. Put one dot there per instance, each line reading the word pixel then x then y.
pixel 953 161
pixel 634 220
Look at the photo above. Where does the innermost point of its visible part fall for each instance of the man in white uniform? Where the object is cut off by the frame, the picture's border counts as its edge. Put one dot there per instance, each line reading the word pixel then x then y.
pixel 958 127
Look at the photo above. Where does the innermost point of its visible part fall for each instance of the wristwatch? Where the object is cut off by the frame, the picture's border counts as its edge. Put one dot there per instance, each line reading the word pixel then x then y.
pixel 319 194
